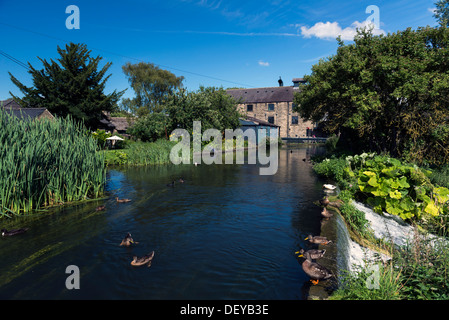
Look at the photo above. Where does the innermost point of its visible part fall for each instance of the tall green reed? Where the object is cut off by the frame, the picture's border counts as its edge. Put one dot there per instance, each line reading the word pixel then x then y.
pixel 45 163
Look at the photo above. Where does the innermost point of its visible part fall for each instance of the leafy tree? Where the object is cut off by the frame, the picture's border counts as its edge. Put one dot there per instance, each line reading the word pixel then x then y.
pixel 72 85
pixel 212 106
pixel 152 86
pixel 385 93
pixel 150 127
pixel 442 12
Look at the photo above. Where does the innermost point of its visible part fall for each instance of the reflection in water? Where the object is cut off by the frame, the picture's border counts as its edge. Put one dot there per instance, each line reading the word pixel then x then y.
pixel 225 233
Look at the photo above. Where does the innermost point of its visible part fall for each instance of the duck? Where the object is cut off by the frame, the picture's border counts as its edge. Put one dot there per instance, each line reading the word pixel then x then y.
pixel 100 208
pixel 6 233
pixel 318 240
pixel 314 270
pixel 171 184
pixel 122 200
pixel 314 253
pixel 326 214
pixel 181 180
pixel 128 240
pixel 324 202
pixel 146 259
pixel 329 186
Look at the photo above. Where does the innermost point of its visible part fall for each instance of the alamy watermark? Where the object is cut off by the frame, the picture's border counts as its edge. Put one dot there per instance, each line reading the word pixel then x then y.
pixel 72 21
pixel 213 152
pixel 73 280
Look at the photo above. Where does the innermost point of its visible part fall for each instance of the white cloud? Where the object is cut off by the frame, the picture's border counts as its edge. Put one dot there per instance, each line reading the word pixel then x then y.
pixel 264 63
pixel 432 10
pixel 331 30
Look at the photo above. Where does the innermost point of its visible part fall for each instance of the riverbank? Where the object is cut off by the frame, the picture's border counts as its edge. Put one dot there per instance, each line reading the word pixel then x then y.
pixel 403 258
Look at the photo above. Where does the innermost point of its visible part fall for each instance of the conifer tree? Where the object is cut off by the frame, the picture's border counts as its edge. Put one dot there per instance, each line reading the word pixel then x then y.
pixel 72 85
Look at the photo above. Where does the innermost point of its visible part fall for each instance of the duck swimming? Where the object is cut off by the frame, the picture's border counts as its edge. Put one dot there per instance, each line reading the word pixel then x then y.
pixel 171 184
pixel 146 259
pixel 128 240
pixel 100 208
pixel 122 200
pixel 318 240
pixel 314 253
pixel 314 270
pixel 181 180
pixel 6 233
pixel 329 187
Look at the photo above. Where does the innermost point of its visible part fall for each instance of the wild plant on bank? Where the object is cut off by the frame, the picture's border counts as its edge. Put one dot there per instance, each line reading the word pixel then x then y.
pixel 45 163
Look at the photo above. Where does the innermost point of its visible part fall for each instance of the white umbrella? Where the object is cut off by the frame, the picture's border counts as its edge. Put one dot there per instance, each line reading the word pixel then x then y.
pixel 114 139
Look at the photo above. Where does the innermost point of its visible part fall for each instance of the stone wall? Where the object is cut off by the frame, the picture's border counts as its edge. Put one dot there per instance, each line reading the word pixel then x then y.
pixel 282 115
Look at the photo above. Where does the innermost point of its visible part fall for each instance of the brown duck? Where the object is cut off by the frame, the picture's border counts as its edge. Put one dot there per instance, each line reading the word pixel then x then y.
pixel 128 240
pixel 314 270
pixel 122 200
pixel 326 213
pixel 145 260
pixel 314 253
pixel 318 240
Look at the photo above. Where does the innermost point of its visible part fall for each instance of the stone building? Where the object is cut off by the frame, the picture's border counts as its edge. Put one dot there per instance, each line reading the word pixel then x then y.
pixel 275 105
pixel 13 108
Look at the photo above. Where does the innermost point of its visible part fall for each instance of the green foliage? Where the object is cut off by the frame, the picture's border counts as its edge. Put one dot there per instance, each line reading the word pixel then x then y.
pixel 331 143
pixel 74 85
pixel 419 271
pixel 152 86
pixel 388 185
pixel 47 162
pixel 354 285
pixel 212 106
pixel 150 127
pixel 400 189
pixel 356 220
pixel 100 136
pixel 141 154
pixel 385 94
pixel 336 169
pixel 442 12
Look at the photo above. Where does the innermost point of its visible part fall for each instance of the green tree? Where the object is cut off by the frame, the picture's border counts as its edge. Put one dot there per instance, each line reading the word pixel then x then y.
pixel 212 106
pixel 442 12
pixel 386 93
pixel 150 127
pixel 151 85
pixel 72 85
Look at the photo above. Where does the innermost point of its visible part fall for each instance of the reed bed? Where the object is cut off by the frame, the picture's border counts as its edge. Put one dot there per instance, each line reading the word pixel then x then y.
pixel 45 163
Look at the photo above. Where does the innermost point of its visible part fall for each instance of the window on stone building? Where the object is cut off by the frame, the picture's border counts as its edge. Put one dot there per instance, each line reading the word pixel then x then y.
pixel 249 107
pixel 294 119
pixel 271 120
pixel 271 107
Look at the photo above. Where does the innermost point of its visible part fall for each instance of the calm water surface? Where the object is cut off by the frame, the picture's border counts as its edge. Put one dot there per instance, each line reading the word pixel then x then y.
pixel 226 233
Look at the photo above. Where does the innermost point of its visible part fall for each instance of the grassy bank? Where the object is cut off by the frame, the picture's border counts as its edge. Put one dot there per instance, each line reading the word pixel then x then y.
pixel 45 163
pixel 417 271
pixel 140 154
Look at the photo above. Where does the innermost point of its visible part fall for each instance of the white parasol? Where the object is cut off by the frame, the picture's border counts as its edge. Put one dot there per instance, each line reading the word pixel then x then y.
pixel 114 139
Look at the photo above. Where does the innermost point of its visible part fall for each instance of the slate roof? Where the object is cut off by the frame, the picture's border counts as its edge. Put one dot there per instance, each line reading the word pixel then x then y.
pixel 263 95
pixel 251 121
pixel 13 108
pixel 25 113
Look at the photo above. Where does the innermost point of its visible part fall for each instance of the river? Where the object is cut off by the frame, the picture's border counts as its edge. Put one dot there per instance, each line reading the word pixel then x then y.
pixel 225 233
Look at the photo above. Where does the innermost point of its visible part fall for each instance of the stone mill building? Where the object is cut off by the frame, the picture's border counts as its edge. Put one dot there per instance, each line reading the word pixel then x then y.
pixel 275 105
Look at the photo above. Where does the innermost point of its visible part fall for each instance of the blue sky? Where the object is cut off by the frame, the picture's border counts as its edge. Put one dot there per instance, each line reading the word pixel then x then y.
pixel 225 43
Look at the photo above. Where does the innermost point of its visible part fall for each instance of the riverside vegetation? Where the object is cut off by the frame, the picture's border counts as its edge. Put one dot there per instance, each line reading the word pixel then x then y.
pixel 45 163
pixel 418 270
